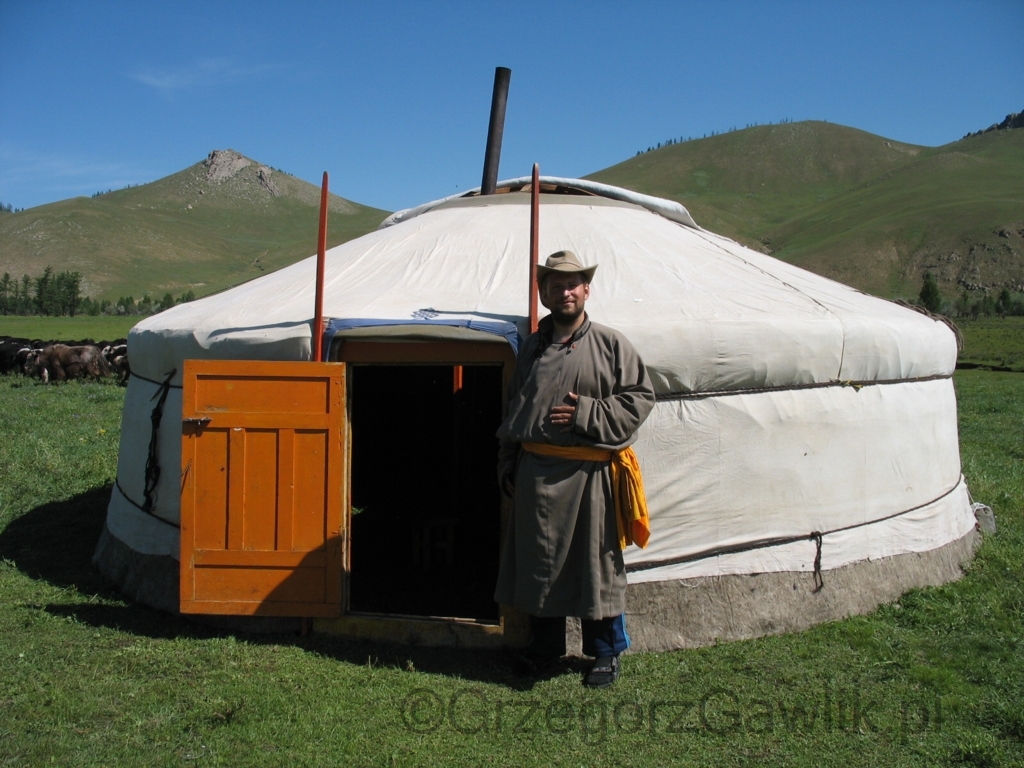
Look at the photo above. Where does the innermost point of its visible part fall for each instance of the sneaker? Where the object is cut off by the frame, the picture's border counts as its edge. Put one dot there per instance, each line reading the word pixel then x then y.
pixel 604 672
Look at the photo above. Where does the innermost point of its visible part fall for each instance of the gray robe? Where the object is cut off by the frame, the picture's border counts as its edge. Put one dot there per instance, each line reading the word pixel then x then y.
pixel 561 553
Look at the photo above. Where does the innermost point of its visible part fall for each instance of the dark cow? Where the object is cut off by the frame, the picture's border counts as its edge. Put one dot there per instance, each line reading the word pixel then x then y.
pixel 59 362
pixel 22 355
pixel 13 353
pixel 117 356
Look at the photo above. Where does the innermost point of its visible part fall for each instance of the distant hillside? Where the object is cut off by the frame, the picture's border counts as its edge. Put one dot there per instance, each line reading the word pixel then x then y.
pixel 868 211
pixel 740 182
pixel 217 223
pixel 956 211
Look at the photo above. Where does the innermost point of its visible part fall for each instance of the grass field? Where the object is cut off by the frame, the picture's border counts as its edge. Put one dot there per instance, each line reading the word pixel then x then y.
pixel 994 341
pixel 88 678
pixel 68 328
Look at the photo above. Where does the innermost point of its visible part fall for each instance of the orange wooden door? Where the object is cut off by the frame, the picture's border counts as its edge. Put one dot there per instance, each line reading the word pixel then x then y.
pixel 262 487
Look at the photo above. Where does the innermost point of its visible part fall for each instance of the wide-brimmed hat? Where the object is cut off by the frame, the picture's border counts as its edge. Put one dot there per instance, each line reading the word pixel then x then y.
pixel 565 262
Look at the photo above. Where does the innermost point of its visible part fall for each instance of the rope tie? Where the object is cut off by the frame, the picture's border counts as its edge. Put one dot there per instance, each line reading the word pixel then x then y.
pixel 819 582
pixel 133 374
pixel 130 500
pixel 858 385
pixel 152 464
pixel 815 536
pixel 937 318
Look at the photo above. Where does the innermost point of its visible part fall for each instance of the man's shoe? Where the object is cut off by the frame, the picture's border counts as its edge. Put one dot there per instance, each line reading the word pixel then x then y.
pixel 604 672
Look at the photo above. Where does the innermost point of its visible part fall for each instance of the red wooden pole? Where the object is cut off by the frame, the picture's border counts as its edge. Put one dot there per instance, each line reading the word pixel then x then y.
pixel 321 263
pixel 534 243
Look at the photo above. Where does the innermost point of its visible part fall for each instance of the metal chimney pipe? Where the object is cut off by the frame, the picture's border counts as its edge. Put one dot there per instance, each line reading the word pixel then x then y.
pixel 495 129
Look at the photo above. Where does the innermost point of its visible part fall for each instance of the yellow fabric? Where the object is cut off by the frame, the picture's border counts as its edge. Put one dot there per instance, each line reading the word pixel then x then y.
pixel 634 522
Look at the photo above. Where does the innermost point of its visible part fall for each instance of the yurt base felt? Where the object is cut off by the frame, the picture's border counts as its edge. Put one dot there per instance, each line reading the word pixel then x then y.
pixel 665 615
pixel 660 615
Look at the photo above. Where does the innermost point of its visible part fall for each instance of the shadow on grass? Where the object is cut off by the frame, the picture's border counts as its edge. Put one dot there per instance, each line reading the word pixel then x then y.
pixel 54 543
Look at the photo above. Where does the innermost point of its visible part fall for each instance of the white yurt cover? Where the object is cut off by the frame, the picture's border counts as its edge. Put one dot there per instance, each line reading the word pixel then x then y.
pixel 800 424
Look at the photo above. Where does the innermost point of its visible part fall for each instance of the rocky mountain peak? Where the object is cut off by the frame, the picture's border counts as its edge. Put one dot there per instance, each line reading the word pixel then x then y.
pixel 1013 120
pixel 226 165
pixel 222 164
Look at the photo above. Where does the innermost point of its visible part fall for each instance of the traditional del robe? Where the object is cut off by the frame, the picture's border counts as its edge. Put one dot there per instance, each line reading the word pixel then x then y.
pixel 561 555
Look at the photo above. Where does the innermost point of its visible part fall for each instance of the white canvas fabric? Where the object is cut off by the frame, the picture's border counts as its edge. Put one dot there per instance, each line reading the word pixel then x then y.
pixel 788 404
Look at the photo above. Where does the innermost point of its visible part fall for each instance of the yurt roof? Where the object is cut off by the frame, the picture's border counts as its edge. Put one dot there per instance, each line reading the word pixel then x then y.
pixel 705 312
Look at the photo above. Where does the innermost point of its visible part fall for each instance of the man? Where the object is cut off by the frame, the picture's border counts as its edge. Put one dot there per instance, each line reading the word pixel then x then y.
pixel 578 394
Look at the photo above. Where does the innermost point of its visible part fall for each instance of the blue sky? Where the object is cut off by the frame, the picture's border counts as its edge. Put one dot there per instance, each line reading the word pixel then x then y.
pixel 393 99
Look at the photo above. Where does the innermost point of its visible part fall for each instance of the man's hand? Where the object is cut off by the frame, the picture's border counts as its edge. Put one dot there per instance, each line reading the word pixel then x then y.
pixel 563 415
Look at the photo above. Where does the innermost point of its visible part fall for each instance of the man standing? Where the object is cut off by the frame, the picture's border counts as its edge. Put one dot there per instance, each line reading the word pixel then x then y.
pixel 578 394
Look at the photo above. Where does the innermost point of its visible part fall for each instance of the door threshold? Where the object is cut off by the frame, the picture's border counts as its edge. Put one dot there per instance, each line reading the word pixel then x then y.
pixel 416 630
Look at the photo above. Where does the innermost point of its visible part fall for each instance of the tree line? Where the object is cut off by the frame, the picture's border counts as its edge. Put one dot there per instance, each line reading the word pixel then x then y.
pixel 1005 303
pixel 60 295
pixel 681 140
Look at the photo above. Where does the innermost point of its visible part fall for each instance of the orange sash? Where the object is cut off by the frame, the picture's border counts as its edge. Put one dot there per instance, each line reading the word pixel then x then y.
pixel 631 514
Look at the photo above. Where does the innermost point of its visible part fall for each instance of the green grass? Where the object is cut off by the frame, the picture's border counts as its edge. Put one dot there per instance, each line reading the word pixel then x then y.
pixel 993 341
pixel 88 678
pixel 102 327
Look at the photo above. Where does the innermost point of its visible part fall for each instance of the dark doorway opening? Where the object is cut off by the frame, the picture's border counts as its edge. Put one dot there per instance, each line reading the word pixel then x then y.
pixel 426 508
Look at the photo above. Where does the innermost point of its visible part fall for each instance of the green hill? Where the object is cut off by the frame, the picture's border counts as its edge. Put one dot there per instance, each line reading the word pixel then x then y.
pixel 215 224
pixel 956 211
pixel 869 211
pixel 739 183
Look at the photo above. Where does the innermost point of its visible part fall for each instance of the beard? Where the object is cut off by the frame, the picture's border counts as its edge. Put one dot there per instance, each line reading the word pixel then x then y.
pixel 566 314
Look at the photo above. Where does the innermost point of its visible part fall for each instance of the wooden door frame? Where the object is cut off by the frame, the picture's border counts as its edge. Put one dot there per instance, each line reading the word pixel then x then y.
pixel 512 627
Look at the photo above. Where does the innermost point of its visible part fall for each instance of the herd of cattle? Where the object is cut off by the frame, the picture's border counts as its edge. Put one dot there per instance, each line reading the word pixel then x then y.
pixel 57 361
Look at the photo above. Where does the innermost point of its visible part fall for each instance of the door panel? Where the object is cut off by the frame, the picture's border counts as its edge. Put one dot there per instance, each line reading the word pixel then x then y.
pixel 263 488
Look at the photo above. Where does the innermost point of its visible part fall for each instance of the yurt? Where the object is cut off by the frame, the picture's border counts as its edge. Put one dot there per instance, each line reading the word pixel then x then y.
pixel 801 463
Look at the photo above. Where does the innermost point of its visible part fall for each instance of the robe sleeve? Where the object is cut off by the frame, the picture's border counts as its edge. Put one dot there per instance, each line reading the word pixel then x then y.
pixel 613 420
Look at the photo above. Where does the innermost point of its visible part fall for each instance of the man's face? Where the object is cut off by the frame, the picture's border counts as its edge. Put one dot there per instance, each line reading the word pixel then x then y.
pixel 564 296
